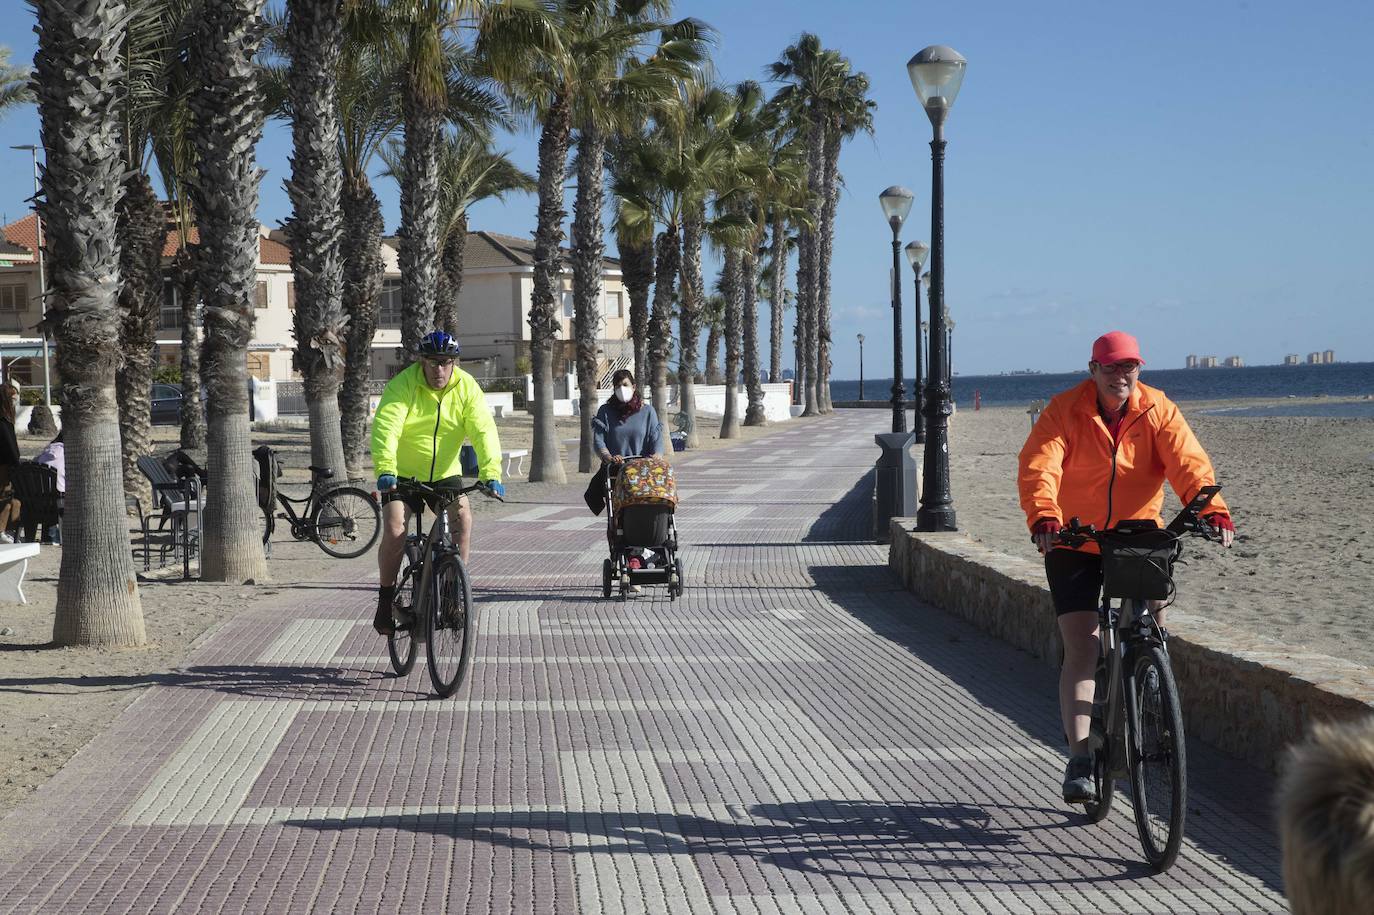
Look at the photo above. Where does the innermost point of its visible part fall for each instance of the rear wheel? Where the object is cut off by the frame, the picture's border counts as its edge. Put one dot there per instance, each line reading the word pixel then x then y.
pixel 450 625
pixel 346 522
pixel 1158 762
pixel 401 643
pixel 607 571
pixel 681 579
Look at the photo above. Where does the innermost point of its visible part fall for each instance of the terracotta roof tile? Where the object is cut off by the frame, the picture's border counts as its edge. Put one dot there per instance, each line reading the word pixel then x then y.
pixel 23 232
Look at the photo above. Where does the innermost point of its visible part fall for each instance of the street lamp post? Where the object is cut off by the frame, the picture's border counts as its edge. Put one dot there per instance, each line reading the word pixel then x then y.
pixel 916 253
pixel 949 349
pixel 42 277
pixel 896 203
pixel 861 366
pixel 936 74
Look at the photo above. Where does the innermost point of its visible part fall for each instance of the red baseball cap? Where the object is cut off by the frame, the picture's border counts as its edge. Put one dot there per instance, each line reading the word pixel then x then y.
pixel 1116 346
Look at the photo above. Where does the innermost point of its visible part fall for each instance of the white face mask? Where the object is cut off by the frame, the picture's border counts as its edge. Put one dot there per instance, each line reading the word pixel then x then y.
pixel 624 392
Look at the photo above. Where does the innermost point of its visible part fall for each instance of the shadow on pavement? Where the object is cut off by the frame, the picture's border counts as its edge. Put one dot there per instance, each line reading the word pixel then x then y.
pixel 849 519
pixel 265 682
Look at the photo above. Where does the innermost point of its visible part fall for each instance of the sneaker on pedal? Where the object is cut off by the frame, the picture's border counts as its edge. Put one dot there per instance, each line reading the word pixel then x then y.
pixel 1078 780
pixel 382 620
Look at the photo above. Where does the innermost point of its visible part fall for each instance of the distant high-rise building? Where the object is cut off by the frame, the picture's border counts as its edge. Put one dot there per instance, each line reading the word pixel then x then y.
pixel 1191 362
pixel 1291 359
pixel 1328 357
pixel 1208 362
pixel 1234 362
pixel 1314 358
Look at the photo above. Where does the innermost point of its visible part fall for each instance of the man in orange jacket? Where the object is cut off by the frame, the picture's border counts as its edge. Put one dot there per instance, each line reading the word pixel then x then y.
pixel 1100 453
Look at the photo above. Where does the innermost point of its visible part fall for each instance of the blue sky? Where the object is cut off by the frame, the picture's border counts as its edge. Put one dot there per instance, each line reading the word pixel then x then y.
pixel 1195 173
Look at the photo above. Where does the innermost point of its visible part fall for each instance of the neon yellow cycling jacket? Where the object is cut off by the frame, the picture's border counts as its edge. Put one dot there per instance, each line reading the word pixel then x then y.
pixel 418 431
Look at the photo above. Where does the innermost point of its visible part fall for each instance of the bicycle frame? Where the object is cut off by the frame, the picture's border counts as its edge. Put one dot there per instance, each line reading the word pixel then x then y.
pixel 1123 629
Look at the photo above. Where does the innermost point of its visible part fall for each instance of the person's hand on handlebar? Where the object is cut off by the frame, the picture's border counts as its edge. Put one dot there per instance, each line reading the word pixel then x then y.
pixel 386 482
pixel 494 489
pixel 1221 528
pixel 1044 534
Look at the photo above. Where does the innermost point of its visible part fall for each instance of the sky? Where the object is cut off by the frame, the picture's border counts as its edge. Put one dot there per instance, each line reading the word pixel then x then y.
pixel 1198 174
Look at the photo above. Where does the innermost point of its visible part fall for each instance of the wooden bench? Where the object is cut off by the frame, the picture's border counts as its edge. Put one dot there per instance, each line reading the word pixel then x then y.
pixel 513 462
pixel 14 562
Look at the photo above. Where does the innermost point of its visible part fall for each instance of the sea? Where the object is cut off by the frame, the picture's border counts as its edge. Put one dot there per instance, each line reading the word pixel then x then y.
pixel 1307 387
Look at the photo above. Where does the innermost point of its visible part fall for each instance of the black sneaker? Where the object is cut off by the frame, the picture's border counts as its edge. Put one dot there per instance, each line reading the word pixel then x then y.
pixel 383 621
pixel 1078 780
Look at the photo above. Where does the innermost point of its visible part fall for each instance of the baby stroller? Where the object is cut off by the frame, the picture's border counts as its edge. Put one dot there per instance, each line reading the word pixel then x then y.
pixel 641 495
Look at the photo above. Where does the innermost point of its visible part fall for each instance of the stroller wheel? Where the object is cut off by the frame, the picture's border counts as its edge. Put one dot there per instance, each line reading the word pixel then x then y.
pixel 677 576
pixel 624 587
pixel 606 570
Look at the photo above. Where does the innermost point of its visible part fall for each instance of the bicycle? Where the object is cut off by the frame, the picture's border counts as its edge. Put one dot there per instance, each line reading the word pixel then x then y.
pixel 344 520
pixel 1136 729
pixel 433 592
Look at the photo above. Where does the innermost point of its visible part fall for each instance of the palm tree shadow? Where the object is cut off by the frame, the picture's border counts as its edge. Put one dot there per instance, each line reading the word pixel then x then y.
pixel 263 682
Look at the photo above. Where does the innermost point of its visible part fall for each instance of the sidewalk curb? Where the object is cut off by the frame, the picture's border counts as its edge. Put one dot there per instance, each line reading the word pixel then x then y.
pixel 1245 694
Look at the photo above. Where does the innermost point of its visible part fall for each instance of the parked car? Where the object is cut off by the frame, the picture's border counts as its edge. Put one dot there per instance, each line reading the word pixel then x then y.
pixel 166 403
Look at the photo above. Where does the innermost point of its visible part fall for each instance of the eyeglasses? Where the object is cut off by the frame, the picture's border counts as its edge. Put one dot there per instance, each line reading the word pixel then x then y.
pixel 438 363
pixel 1119 368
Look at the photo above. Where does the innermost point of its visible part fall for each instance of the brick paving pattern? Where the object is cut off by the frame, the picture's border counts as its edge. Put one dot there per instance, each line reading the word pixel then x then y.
pixel 795 735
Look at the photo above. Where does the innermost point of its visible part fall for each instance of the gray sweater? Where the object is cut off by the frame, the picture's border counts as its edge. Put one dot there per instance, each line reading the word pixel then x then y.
pixel 638 435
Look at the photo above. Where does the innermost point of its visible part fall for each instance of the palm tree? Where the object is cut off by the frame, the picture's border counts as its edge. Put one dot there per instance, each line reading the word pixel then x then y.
pixel 713 316
pixel 78 81
pixel 14 84
pixel 313 41
pixel 228 115
pixel 636 248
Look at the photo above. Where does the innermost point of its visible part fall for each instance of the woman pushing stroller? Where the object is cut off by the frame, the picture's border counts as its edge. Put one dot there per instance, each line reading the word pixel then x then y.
pixel 626 426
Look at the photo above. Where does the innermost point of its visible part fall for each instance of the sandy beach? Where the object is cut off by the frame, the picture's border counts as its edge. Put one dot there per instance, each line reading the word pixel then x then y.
pixel 1302 490
pixel 54 700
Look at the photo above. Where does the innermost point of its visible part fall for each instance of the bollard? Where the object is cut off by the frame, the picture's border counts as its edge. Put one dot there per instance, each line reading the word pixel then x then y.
pixel 977 401
pixel 894 481
pixel 1034 411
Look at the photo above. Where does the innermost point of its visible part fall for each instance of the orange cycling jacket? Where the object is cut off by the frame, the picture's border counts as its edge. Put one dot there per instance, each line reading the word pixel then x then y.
pixel 1070 467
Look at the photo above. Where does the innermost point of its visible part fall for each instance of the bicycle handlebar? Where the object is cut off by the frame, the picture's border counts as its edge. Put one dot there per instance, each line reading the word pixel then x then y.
pixel 445 494
pixel 1187 521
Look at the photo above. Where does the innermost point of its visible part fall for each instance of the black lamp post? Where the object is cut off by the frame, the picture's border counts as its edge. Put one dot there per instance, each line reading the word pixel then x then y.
pixel 916 253
pixel 949 350
pixel 936 74
pixel 896 203
pixel 861 366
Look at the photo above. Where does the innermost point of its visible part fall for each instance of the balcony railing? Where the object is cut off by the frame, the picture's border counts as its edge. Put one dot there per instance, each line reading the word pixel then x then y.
pixel 19 322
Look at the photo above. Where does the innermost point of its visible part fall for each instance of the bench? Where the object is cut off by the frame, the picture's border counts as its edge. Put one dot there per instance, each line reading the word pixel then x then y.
pixel 498 411
pixel 14 562
pixel 513 462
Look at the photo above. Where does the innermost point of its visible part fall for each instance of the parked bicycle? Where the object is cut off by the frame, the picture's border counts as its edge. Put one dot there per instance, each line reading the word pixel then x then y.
pixel 344 521
pixel 1137 722
pixel 433 592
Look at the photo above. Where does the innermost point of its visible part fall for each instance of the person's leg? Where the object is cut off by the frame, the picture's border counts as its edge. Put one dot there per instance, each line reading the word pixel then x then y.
pixel 395 517
pixel 461 521
pixel 1082 647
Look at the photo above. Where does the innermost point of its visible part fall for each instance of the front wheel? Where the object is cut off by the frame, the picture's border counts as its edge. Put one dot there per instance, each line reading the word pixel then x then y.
pixel 346 522
pixel 450 625
pixel 1158 762
pixel 401 644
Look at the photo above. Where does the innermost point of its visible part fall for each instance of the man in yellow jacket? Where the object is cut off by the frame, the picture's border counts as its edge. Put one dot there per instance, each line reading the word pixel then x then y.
pixel 426 413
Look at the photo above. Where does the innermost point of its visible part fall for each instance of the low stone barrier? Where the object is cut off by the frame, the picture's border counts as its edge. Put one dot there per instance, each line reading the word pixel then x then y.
pixel 1244 694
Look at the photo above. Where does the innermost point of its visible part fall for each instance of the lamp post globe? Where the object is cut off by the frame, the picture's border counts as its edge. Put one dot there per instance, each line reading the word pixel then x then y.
pixel 896 203
pixel 916 253
pixel 937 74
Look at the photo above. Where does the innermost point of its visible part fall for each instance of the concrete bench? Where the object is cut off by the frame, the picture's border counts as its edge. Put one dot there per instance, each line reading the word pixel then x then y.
pixel 14 562
pixel 498 411
pixel 513 462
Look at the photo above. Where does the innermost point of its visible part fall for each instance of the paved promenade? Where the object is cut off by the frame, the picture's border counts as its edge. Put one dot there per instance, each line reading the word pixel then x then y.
pixel 795 735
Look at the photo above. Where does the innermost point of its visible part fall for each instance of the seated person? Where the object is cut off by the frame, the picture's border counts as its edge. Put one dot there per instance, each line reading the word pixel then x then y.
pixel 54 455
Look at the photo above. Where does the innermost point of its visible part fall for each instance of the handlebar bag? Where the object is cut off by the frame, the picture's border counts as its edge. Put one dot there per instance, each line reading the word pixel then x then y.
pixel 1138 564
pixel 646 481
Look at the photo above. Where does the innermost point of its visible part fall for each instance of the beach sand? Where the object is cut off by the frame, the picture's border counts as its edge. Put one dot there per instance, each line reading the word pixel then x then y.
pixel 54 700
pixel 1302 492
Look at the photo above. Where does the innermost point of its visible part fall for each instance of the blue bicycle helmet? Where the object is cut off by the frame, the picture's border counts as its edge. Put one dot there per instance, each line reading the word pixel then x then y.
pixel 438 343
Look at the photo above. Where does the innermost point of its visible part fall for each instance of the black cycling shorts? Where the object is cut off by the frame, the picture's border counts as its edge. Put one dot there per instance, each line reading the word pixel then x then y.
pixel 1075 579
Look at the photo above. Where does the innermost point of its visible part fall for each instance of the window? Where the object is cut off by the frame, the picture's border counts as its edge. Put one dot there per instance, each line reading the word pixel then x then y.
pixel 391 304
pixel 260 366
pixel 169 316
pixel 14 297
pixel 567 304
pixel 260 295
pixel 615 305
pixel 291 295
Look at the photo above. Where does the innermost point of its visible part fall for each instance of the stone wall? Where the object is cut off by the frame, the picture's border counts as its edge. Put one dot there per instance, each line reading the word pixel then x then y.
pixel 1245 694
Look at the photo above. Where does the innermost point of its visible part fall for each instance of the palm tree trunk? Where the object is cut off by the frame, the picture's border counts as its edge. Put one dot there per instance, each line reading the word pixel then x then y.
pixel 188 296
pixel 419 247
pixel 228 124
pixel 811 350
pixel 451 272
pixel 637 266
pixel 588 252
pixel 546 461
pixel 362 283
pixel 78 82
pixel 713 375
pixel 730 285
pixel 689 310
pixel 800 334
pixel 779 265
pixel 754 415
pixel 142 231
pixel 314 34
pixel 660 321
pixel 826 236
